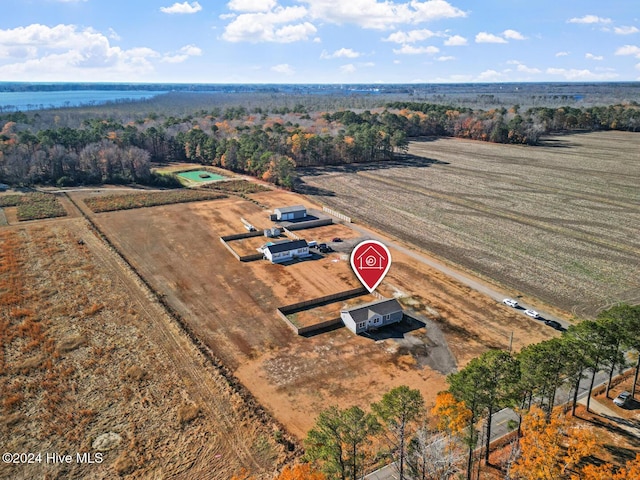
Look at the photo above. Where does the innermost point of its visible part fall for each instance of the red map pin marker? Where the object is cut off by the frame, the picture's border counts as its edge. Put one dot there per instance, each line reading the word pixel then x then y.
pixel 370 261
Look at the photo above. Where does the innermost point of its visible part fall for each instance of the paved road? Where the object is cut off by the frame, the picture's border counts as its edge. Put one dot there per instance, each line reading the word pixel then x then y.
pixel 461 277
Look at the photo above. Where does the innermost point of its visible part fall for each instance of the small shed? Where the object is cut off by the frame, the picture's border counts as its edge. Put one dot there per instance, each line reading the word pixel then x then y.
pixel 290 213
pixel 372 315
pixel 273 232
pixel 287 250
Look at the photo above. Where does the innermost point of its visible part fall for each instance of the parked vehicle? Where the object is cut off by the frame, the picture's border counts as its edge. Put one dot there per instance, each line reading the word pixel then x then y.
pixel 532 313
pixel 324 248
pixel 622 399
pixel 313 244
pixel 336 239
pixel 554 324
pixel 510 302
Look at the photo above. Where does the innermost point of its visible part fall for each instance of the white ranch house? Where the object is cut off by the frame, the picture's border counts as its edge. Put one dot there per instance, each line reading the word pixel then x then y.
pixel 372 315
pixel 285 251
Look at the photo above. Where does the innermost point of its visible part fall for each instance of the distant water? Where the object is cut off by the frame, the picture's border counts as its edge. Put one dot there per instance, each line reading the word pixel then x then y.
pixel 12 101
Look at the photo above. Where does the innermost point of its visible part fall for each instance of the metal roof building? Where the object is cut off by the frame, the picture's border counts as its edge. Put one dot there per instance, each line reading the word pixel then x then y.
pixel 290 213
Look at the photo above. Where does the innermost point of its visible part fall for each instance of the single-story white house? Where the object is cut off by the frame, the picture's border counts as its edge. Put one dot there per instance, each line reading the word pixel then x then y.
pixel 290 213
pixel 287 250
pixel 372 315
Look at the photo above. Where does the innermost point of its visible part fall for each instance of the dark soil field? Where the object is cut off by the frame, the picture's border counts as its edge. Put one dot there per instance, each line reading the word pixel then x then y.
pixel 558 222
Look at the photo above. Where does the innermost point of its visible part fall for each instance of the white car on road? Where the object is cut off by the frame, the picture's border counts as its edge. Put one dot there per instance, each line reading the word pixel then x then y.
pixel 622 399
pixel 532 313
pixel 510 302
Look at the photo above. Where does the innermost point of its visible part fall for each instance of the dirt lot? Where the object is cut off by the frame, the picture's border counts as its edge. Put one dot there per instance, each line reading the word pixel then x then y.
pixel 85 351
pixel 231 307
pixel 558 222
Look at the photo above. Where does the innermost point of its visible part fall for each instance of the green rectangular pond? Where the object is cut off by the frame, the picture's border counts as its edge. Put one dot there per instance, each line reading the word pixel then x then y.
pixel 200 176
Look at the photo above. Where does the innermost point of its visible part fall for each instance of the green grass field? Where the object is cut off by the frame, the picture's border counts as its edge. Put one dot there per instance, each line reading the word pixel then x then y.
pixel 195 176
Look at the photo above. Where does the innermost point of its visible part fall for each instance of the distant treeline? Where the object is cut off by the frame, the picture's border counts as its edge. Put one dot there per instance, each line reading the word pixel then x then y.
pixel 267 143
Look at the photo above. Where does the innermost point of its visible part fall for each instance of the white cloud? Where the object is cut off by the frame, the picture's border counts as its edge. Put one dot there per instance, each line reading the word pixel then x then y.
pixel 629 50
pixel 283 68
pixel 183 54
pixel 341 53
pixel 562 54
pixel 524 69
pixel 113 35
pixel 578 75
pixel 68 53
pixel 264 27
pixel 625 30
pixel 513 35
pixel 411 36
pixel 348 68
pixel 252 5
pixel 367 64
pixel 411 50
pixel 185 7
pixel 489 75
pixel 484 37
pixel 589 19
pixel 381 15
pixel 455 41
pixel 591 56
pixel 445 58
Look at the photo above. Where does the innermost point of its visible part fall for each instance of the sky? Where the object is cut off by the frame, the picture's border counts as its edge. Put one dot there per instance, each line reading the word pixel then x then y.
pixel 320 41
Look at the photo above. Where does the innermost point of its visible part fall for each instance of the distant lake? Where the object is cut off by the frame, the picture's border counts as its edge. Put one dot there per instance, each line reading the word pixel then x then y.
pixel 11 101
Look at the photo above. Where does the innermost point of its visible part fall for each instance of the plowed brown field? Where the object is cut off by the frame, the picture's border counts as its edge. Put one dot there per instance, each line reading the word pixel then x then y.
pixel 558 222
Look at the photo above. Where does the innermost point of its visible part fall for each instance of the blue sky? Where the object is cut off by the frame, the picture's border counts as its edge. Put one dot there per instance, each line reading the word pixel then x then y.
pixel 320 41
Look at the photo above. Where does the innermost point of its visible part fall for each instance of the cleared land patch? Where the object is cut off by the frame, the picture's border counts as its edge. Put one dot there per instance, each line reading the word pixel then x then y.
pixel 231 307
pixel 558 221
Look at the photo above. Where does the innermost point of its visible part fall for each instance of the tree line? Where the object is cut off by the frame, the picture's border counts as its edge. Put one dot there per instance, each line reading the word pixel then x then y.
pixel 263 143
pixel 346 442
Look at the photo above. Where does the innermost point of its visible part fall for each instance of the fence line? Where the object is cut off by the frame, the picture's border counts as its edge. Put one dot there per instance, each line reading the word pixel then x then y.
pixel 337 214
pixel 282 312
pixel 290 234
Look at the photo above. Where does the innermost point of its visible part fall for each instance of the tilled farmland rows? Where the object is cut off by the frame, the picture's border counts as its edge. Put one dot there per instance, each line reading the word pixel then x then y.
pixel 522 216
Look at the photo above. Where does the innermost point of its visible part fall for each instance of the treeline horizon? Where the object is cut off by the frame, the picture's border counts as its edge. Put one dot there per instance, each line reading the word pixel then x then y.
pixel 268 143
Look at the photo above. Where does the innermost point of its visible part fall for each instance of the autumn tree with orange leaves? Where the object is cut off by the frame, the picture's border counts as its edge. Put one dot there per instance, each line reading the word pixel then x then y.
pixel 302 471
pixel 607 471
pixel 549 449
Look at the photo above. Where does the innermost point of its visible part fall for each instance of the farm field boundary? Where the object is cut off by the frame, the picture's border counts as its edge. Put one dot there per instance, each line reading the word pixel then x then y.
pixel 250 402
pixel 316 302
pixel 111 203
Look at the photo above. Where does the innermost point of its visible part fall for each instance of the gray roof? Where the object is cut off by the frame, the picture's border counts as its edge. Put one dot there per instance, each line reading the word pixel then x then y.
pixel 294 208
pixel 379 307
pixel 286 246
